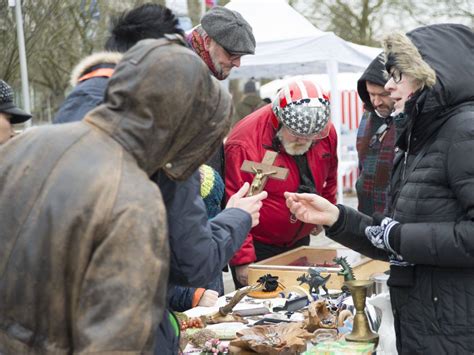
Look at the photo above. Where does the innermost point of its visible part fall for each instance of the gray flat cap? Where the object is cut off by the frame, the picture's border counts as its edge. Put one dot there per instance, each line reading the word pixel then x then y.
pixel 229 29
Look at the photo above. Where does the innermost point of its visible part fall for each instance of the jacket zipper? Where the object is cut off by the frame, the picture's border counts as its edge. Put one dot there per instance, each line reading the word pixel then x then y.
pixel 406 157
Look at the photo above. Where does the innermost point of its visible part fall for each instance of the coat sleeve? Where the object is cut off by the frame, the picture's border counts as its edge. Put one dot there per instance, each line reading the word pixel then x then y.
pixel 181 298
pixel 447 244
pixel 123 293
pixel 351 234
pixel 330 188
pixel 201 248
pixel 234 157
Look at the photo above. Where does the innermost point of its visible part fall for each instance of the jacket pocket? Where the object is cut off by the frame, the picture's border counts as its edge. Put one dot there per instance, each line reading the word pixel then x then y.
pixel 453 298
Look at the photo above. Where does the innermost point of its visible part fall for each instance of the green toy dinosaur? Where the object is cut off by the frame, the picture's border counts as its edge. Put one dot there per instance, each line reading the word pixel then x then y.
pixel 346 268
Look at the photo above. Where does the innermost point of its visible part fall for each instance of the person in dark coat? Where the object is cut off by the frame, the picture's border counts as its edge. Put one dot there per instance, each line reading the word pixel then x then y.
pixel 85 256
pixel 375 139
pixel 184 298
pixel 429 236
pixel 90 77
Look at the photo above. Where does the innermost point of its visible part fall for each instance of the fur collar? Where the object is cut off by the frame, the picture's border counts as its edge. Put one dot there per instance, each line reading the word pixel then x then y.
pixel 90 61
pixel 408 59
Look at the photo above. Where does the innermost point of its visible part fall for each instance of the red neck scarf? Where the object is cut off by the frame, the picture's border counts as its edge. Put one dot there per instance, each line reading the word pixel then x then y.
pixel 196 41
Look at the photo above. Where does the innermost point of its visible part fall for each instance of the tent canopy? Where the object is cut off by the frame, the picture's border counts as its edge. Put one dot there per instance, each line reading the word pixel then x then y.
pixel 288 44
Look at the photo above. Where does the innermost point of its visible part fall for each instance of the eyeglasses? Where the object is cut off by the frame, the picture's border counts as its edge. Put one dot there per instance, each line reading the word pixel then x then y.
pixel 396 75
pixel 379 135
pixel 232 57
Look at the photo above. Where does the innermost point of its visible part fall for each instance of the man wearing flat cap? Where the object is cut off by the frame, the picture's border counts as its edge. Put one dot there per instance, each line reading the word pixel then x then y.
pixel 9 113
pixel 221 39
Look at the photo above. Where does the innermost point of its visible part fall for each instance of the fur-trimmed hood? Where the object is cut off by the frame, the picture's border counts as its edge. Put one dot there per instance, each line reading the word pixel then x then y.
pixel 92 60
pixel 441 57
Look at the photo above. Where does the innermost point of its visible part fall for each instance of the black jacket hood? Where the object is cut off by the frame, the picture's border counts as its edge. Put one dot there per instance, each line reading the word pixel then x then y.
pixel 448 49
pixel 440 57
pixel 375 74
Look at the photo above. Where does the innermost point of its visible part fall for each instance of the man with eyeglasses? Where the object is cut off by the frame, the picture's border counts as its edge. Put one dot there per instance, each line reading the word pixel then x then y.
pixel 296 126
pixel 375 139
pixel 221 39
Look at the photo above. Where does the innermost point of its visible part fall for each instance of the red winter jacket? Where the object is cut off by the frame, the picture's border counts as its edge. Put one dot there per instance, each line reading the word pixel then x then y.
pixel 249 140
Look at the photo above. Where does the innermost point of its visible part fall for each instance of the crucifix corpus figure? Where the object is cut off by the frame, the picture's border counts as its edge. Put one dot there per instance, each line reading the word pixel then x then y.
pixel 263 171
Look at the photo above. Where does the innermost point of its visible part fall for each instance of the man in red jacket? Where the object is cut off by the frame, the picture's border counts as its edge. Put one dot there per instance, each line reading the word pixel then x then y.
pixel 296 126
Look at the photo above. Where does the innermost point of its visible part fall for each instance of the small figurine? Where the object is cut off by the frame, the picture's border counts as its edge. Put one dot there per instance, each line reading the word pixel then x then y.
pixel 257 182
pixel 346 272
pixel 314 280
pixel 346 268
pixel 270 283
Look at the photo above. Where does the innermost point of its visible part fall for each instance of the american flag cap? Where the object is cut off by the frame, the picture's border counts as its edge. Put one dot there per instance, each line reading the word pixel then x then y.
pixel 302 106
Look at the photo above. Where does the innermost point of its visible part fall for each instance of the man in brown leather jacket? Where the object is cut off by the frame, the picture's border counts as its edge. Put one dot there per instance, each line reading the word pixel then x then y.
pixel 84 255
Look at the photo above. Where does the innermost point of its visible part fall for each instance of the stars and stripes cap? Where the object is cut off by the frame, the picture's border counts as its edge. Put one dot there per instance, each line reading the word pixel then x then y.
pixel 303 107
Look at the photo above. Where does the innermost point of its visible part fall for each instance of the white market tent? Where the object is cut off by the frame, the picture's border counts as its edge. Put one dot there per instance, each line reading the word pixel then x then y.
pixel 288 44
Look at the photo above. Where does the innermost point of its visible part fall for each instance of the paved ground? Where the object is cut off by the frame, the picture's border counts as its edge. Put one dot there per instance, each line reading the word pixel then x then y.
pixel 319 240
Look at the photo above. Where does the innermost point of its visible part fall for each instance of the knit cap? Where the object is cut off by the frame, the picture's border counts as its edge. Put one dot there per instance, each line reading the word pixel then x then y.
pixel 212 190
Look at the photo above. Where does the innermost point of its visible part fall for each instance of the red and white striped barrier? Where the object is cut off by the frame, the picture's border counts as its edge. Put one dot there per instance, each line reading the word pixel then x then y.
pixel 351 111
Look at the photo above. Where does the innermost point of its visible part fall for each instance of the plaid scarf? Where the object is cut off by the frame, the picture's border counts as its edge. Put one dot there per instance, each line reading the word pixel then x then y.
pixel 375 163
pixel 196 41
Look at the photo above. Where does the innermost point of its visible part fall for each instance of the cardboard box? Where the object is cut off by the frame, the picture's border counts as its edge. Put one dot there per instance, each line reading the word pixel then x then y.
pixel 304 257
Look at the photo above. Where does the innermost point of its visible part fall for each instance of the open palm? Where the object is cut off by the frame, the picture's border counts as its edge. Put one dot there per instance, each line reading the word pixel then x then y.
pixel 311 208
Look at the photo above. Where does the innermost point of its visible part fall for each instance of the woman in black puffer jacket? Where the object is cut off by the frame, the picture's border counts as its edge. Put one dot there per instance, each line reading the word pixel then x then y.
pixel 429 236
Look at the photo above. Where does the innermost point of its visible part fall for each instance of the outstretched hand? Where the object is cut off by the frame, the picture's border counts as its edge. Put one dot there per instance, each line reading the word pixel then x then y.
pixel 311 208
pixel 250 204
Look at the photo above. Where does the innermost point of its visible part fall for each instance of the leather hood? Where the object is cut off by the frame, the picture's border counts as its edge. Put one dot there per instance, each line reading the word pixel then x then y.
pixel 164 108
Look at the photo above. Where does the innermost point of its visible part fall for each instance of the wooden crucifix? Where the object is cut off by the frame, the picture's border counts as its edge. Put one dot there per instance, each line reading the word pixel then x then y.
pixel 263 171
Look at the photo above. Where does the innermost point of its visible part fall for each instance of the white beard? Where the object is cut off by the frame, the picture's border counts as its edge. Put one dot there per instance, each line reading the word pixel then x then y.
pixel 293 148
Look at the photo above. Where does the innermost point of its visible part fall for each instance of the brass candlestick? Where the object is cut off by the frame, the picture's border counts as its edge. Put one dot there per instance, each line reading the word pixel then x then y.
pixel 360 329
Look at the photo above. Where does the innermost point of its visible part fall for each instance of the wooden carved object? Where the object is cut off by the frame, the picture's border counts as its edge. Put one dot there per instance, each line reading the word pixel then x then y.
pixel 223 315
